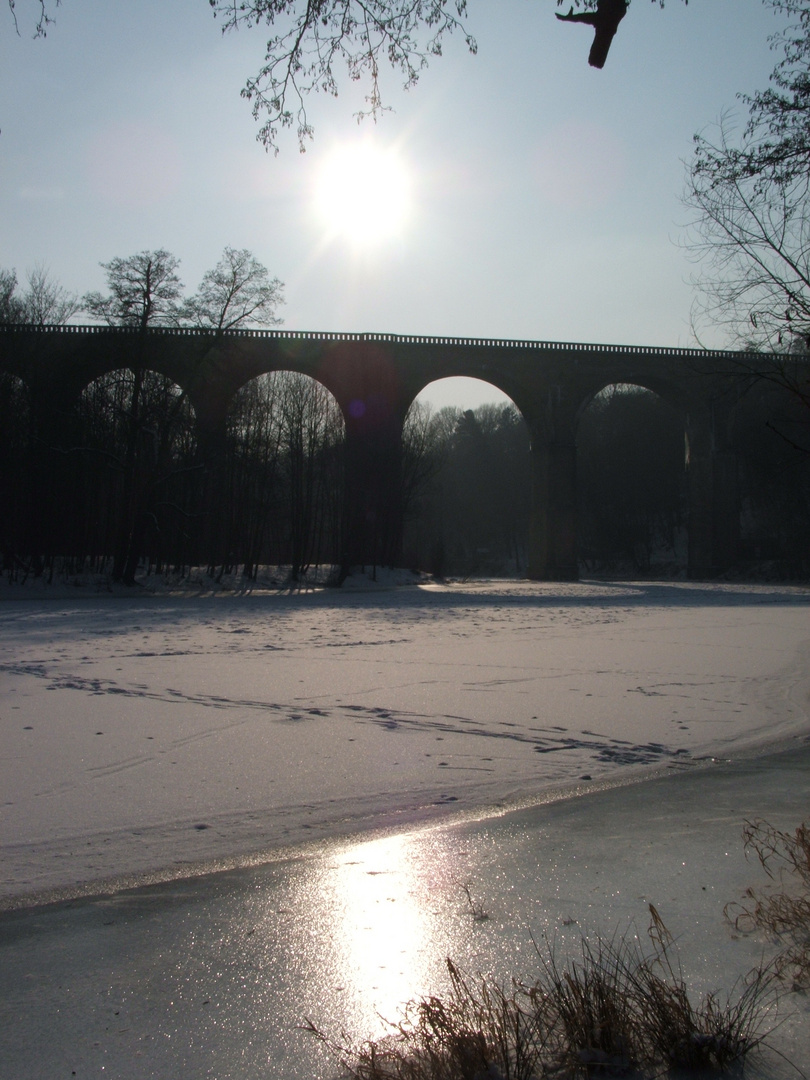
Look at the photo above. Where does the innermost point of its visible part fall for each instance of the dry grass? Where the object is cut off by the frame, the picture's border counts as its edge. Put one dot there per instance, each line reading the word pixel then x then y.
pixel 473 906
pixel 785 913
pixel 589 1010
pixel 480 1031
pixel 713 1034
pixel 616 1010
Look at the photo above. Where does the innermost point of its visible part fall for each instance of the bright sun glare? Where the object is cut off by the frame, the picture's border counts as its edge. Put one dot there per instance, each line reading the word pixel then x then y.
pixel 363 194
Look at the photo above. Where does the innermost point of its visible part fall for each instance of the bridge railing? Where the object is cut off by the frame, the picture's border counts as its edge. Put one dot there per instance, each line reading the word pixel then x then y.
pixel 407 339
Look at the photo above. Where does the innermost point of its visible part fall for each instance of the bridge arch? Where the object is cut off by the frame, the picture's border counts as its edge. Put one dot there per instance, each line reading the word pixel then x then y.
pixel 471 383
pixel 284 450
pixel 675 396
pixel 468 444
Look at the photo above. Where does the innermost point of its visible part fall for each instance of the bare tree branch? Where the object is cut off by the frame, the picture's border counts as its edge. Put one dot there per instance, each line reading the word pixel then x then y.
pixel 318 36
pixel 318 40
pixel 43 19
pixel 751 235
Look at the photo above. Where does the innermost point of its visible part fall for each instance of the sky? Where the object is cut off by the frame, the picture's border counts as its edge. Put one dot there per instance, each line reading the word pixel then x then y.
pixel 539 198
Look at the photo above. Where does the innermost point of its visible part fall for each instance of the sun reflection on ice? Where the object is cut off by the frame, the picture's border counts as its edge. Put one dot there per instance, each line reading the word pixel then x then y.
pixel 387 907
pixel 383 907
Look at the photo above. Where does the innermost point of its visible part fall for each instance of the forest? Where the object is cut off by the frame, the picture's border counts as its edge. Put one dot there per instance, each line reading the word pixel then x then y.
pixel 469 512
pixel 126 489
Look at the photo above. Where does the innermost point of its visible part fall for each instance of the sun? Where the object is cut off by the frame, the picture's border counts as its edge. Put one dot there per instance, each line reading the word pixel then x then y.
pixel 363 194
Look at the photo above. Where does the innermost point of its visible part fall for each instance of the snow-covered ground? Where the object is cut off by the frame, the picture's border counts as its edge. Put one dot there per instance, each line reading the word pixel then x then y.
pixel 150 737
pixel 159 732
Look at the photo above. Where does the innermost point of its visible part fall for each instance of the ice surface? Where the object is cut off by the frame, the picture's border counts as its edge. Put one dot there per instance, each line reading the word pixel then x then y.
pixel 157 733
pixel 213 976
pixel 149 738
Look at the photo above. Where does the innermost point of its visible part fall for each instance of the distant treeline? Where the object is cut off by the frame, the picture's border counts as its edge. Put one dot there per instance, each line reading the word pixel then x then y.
pixel 125 484
pixel 469 508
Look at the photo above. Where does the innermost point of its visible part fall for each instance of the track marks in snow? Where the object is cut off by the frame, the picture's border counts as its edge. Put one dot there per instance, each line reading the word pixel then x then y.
pixel 686 691
pixel 602 749
pixel 125 764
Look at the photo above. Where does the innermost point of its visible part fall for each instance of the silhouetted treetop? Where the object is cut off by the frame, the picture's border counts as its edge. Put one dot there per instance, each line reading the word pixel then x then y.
pixel 43 303
pixel 314 43
pixel 11 306
pixel 238 291
pixel 144 291
pixel 777 137
pixel 314 40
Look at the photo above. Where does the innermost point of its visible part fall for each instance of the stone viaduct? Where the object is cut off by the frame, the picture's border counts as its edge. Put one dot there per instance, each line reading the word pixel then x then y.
pixel 375 378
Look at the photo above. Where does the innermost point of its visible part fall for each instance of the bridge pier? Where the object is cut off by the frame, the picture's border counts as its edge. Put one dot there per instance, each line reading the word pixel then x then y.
pixel 713 501
pixel 725 509
pixel 553 521
pixel 373 497
pixel 209 541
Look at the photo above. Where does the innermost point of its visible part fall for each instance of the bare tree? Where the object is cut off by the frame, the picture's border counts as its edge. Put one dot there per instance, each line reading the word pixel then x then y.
pixel 12 306
pixel 284 486
pixel 423 452
pixel 250 511
pixel 46 302
pixel 468 510
pixel 311 428
pixel 144 291
pixel 138 470
pixel 750 229
pixel 43 303
pixel 751 234
pixel 750 197
pixel 777 136
pixel 237 292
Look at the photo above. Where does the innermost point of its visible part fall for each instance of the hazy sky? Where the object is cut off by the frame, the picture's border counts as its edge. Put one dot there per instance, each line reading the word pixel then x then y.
pixel 541 195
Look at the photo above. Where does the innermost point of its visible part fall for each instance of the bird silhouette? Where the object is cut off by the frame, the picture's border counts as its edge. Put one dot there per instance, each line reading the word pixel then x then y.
pixel 605 21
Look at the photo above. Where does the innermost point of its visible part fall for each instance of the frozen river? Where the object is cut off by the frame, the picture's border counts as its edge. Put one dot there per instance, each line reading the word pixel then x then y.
pixel 157 733
pixel 154 742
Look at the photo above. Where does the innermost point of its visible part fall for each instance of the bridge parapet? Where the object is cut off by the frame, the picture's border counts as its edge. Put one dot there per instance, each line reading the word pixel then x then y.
pixel 277 334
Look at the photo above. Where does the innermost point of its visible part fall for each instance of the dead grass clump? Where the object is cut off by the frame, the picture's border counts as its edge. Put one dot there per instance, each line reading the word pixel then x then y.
pixel 775 847
pixel 475 908
pixel 785 858
pixel 614 1011
pixel 479 1032
pixel 713 1034
pixel 588 1009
